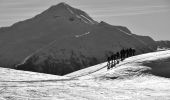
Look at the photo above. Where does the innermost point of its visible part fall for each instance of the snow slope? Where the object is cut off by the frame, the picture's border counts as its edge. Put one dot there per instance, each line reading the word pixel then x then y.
pixel 132 79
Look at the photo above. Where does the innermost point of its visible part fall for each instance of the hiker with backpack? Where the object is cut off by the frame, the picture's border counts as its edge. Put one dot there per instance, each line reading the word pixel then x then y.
pixel 108 63
pixel 133 52
pixel 117 57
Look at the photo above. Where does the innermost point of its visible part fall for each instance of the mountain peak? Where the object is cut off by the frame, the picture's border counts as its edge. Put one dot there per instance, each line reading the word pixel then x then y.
pixel 63 10
pixel 62 4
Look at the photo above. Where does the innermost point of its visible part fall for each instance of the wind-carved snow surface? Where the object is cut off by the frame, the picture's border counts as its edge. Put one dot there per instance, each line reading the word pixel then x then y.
pixel 77 36
pixel 128 80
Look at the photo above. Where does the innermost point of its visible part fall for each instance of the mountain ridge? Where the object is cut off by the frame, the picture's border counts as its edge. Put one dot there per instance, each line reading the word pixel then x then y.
pixel 63 39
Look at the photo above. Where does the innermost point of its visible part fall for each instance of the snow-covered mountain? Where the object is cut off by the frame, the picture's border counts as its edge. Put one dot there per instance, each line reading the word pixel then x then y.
pixel 140 77
pixel 64 39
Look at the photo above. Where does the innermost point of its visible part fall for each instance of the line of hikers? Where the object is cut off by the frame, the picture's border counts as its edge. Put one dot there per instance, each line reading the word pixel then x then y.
pixel 115 57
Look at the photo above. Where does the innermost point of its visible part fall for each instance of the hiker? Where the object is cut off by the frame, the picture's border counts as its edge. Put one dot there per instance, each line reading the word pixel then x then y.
pixel 123 54
pixel 108 63
pixel 117 55
pixel 114 59
pixel 133 52
pixel 112 56
pixel 127 53
pixel 130 51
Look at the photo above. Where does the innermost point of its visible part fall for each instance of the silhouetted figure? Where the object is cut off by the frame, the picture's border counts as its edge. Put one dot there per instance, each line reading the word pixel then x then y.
pixel 133 52
pixel 117 55
pixel 123 54
pixel 112 58
pixel 130 52
pixel 127 53
pixel 108 63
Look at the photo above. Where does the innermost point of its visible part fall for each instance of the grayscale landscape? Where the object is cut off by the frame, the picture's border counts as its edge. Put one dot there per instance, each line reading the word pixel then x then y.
pixel 63 53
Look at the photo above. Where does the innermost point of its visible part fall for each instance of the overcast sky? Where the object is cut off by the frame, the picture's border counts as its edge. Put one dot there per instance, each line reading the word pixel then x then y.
pixel 144 17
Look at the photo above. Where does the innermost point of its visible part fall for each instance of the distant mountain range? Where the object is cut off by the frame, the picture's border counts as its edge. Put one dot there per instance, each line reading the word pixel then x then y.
pixel 63 39
pixel 163 44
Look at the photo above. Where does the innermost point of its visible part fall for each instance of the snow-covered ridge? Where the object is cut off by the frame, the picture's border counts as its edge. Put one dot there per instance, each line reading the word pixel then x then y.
pixel 100 69
pixel 124 82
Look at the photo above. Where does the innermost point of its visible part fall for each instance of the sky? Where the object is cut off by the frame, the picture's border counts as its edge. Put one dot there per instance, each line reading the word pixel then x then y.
pixel 143 17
